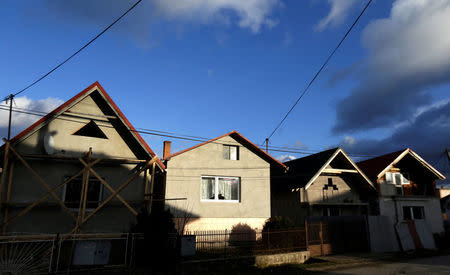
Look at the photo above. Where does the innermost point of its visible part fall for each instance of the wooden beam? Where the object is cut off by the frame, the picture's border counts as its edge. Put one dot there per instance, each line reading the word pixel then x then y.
pixel 43 198
pixel 43 183
pixel 338 171
pixel 86 189
pixel 152 185
pixel 109 188
pixel 75 159
pixel 115 193
pixel 8 196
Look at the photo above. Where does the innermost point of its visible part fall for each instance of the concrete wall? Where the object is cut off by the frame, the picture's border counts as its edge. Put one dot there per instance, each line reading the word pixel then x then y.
pixel 49 217
pixel 316 194
pixel 431 206
pixel 184 174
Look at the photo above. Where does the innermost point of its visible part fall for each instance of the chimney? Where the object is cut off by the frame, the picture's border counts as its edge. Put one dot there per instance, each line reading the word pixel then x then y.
pixel 166 149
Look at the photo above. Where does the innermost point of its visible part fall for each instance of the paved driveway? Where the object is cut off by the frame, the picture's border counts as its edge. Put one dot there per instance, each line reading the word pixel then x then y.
pixel 433 265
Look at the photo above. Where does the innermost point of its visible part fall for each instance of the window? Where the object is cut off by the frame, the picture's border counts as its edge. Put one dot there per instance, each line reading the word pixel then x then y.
pixel 397 179
pixel 413 213
pixel 90 130
pixel 231 152
pixel 220 188
pixel 72 194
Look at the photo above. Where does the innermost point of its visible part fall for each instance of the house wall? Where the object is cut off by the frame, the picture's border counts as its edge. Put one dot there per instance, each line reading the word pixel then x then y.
pixel 299 203
pixel 49 217
pixel 345 194
pixel 393 207
pixel 183 180
pixel 419 192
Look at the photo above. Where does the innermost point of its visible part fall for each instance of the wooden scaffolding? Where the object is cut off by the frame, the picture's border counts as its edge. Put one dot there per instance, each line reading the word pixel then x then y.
pixel 11 157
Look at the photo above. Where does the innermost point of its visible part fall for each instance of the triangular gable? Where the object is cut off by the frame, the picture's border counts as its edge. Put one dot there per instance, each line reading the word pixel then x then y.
pixel 246 142
pixel 74 100
pixel 328 157
pixel 417 157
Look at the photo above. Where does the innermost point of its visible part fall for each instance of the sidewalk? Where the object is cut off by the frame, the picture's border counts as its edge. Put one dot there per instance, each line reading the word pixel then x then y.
pixel 366 259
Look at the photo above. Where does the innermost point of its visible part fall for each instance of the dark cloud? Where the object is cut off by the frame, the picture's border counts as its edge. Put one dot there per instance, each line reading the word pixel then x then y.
pixel 428 134
pixel 409 53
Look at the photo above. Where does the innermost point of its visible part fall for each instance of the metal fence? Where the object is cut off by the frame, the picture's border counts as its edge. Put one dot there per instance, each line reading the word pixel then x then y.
pixel 54 253
pixel 318 237
pixel 248 242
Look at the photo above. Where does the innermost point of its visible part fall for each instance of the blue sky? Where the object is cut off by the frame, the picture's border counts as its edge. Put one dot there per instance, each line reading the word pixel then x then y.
pixel 204 68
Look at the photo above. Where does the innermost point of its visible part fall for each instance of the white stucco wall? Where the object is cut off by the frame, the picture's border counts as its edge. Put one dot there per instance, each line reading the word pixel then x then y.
pixel 433 215
pixel 183 180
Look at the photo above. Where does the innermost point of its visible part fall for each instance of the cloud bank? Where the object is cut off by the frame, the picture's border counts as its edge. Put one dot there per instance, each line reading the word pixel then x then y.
pixel 409 53
pixel 338 12
pixel 252 15
pixel 20 121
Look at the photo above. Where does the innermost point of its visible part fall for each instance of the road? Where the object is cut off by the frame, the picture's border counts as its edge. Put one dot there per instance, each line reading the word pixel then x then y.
pixel 433 265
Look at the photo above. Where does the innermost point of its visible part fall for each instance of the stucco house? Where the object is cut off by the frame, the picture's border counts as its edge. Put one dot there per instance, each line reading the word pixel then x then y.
pixel 219 184
pixel 406 186
pixel 324 184
pixel 80 168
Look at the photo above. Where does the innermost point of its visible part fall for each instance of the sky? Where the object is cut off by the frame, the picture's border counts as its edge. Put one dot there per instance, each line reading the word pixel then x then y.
pixel 207 67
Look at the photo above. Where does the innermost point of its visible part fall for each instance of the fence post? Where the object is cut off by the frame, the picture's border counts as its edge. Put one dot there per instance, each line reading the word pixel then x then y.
pixel 321 238
pixel 306 234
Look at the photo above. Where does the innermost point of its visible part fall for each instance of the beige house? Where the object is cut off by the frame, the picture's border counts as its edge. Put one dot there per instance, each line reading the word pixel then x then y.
pixel 406 186
pixel 323 184
pixel 81 168
pixel 220 183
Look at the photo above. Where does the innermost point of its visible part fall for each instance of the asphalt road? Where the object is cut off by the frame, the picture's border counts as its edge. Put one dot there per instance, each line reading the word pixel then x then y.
pixel 433 265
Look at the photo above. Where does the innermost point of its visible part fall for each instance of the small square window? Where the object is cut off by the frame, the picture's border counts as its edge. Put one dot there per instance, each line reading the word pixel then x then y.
pixel 231 152
pixel 72 194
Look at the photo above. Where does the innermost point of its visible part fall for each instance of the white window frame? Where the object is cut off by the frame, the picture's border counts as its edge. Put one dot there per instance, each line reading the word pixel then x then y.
pixel 229 146
pixel 404 180
pixel 100 195
pixel 216 189
pixel 411 209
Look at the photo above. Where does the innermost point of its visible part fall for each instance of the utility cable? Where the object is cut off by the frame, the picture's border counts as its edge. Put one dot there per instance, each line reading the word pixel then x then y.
pixel 77 52
pixel 320 70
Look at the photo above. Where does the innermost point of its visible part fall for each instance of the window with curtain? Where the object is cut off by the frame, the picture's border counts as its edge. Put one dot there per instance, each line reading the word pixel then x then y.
pixel 220 188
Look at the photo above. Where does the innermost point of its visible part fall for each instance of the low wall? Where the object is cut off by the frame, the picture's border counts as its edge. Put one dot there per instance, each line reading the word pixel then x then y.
pixel 282 258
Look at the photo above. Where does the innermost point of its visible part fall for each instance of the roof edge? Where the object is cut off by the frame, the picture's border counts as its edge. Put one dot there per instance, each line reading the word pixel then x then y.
pixel 224 135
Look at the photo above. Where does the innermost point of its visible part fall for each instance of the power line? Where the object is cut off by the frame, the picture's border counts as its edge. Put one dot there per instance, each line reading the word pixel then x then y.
pixel 77 52
pixel 320 70
pixel 163 134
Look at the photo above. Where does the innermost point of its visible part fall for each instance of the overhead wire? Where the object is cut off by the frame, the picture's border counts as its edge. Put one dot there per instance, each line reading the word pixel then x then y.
pixel 77 52
pixel 319 71
pixel 161 133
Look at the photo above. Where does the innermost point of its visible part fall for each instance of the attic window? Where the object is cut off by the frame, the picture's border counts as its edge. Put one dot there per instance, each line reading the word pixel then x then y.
pixel 90 130
pixel 230 152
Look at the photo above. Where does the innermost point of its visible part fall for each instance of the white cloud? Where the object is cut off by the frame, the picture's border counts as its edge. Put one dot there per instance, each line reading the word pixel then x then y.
pixel 251 14
pixel 284 158
pixel 338 12
pixel 19 120
pixel 409 53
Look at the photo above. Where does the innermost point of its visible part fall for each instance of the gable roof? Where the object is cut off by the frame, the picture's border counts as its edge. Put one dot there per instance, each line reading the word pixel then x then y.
pixel 236 135
pixel 308 168
pixel 377 167
pixel 66 105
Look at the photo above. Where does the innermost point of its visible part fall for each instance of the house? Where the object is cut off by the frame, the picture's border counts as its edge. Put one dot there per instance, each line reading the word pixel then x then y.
pixel 85 142
pixel 324 184
pixel 406 186
pixel 218 184
pixel 444 194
